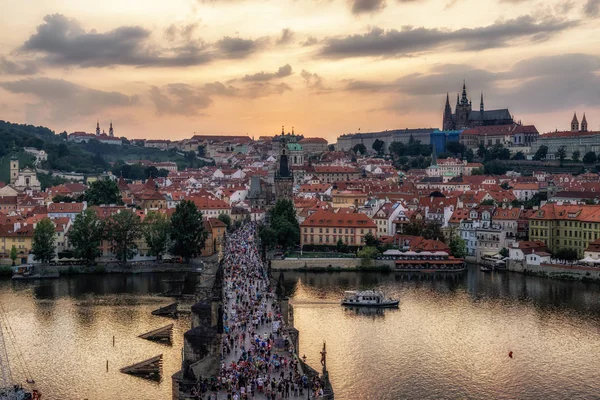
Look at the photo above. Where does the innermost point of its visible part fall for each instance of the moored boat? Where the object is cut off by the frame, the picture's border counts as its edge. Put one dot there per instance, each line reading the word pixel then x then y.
pixel 26 272
pixel 368 298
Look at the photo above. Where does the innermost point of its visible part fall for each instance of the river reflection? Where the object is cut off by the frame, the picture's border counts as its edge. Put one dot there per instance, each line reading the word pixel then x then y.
pixel 451 335
pixel 65 330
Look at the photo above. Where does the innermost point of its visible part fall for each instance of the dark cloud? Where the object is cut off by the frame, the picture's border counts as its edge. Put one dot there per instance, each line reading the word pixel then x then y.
pixel 393 43
pixel 536 85
pixel 239 48
pixel 63 41
pixel 63 99
pixel 592 8
pixel 282 72
pixel 287 36
pixel 367 6
pixel 9 67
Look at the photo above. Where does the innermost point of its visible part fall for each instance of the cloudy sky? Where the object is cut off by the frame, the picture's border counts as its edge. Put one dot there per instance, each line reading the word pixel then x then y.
pixel 169 69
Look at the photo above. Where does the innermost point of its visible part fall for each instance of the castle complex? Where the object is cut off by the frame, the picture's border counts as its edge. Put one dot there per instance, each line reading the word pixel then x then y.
pixel 464 117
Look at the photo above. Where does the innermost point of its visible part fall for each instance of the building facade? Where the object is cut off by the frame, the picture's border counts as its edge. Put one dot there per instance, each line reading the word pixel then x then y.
pixel 326 228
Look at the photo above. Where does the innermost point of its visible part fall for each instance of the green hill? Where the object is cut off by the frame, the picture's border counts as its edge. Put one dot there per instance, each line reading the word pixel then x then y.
pixel 87 158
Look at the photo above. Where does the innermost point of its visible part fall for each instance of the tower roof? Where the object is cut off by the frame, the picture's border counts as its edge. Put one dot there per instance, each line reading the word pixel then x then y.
pixel 574 120
pixel 583 120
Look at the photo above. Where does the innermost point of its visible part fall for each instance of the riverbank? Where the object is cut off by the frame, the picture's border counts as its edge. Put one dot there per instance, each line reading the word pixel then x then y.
pixel 117 268
pixel 553 271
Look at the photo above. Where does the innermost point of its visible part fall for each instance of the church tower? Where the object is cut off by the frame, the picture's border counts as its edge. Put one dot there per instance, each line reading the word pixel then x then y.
pixel 447 123
pixel 284 180
pixel 14 169
pixel 97 128
pixel 463 109
pixel 574 123
pixel 584 126
pixel 111 131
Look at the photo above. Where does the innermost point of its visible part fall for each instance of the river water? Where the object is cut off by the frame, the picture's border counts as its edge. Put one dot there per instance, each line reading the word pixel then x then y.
pixel 449 339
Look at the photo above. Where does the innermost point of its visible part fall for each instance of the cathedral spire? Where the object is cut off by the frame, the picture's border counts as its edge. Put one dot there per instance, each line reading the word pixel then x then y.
pixel 457 99
pixel 447 120
pixel 574 123
pixel 111 131
pixel 97 127
pixel 584 124
pixel 464 99
pixel 481 104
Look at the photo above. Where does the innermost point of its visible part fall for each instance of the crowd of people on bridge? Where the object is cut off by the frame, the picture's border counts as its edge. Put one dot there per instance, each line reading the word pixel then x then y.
pixel 258 359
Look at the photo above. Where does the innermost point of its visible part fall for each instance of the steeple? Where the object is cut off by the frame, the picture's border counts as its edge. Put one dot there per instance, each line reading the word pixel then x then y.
pixel 98 128
pixel 447 120
pixel 457 99
pixel 464 99
pixel 282 130
pixel 574 123
pixel 481 104
pixel 584 124
pixel 111 131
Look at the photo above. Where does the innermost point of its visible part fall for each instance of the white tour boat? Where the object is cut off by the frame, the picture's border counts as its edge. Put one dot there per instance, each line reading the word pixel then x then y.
pixel 368 298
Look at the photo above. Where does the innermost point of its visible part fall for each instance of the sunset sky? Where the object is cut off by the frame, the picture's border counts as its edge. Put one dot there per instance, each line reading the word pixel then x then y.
pixel 168 69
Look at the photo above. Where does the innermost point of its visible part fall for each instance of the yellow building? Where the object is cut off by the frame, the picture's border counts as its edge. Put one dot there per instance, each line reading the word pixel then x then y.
pixel 21 239
pixel 565 226
pixel 326 228
pixel 348 198
pixel 216 236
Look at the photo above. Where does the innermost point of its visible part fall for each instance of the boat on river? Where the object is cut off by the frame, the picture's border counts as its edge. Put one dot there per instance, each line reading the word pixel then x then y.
pixel 368 298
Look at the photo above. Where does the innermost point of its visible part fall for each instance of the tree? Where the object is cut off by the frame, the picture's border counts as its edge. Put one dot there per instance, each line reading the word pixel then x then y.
pixel 414 228
pixel 397 149
pixel 477 171
pixel 42 246
pixel 13 254
pixel 103 192
pixel 201 150
pixel 341 247
pixel 226 219
pixel 367 254
pixel 86 235
pixel 188 234
pixel 190 157
pixel 455 147
pixel 519 156
pixel 469 155
pixel 488 202
pixel 458 247
pixel 566 254
pixel 433 230
pixel 495 168
pixel 575 156
pixel 331 147
pixel 561 154
pixel 268 237
pixel 541 153
pixel 157 230
pixel 482 152
pixel 379 146
pixel 371 240
pixel 123 230
pixel 589 157
pixel 359 148
pixel 504 252
pixel 285 223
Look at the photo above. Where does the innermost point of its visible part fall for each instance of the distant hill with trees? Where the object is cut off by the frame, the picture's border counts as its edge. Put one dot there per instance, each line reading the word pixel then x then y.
pixel 87 158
